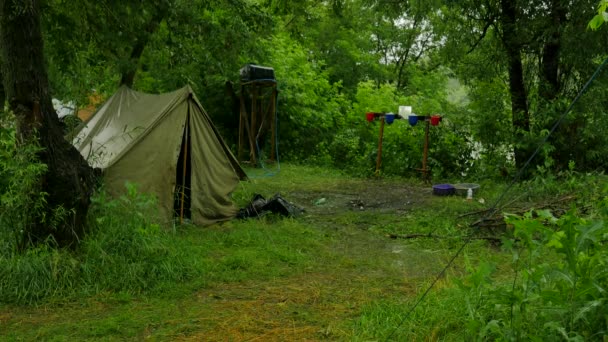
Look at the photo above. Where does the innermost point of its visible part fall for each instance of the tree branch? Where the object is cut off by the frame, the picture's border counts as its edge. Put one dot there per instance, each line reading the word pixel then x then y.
pixel 483 35
pixel 433 236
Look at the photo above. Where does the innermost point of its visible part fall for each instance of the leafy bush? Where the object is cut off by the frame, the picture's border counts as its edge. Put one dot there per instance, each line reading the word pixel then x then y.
pixel 20 173
pixel 354 146
pixel 310 108
pixel 559 290
pixel 127 251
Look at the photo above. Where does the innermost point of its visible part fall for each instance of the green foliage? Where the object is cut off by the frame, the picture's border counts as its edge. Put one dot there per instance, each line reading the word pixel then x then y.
pixel 340 38
pixel 560 279
pixel 601 17
pixel 203 45
pixel 130 252
pixel 383 99
pixel 127 251
pixel 333 269
pixel 451 153
pixel 310 108
pixel 70 123
pixel 20 173
pixel 546 48
pixel 439 318
pixel 354 147
pixel 326 55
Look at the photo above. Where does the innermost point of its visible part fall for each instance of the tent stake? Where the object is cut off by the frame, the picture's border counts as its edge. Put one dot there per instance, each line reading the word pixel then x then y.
pixel 186 133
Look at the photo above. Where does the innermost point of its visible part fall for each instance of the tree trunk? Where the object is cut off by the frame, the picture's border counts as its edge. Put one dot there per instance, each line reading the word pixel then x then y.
pixel 2 92
pixel 128 75
pixel 401 83
pixel 550 84
pixel 68 181
pixel 517 88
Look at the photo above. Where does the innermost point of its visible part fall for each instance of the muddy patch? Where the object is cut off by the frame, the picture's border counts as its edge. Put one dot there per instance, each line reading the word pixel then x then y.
pixel 378 197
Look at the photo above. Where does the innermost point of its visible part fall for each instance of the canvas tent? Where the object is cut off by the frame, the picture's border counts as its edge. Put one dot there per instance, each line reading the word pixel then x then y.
pixel 162 142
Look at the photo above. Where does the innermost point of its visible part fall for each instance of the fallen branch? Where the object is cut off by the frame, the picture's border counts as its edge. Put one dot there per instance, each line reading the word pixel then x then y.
pixel 488 222
pixel 477 212
pixel 433 236
pixel 496 219
pixel 482 211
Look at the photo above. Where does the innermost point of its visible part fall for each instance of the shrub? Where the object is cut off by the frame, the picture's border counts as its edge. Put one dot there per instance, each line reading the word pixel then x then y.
pixel 20 172
pixel 126 251
pixel 559 290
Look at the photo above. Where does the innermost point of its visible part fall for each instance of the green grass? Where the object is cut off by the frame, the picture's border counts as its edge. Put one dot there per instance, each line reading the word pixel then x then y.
pixel 441 316
pixel 331 274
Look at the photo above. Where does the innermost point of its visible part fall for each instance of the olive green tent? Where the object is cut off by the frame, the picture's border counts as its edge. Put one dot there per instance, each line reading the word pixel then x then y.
pixel 163 143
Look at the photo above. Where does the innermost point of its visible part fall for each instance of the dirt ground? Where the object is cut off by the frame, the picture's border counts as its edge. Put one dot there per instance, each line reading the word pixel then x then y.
pixel 372 195
pixel 314 306
pixel 355 268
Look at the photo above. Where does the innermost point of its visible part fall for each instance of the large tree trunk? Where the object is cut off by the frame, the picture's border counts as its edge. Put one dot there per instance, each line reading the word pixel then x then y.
pixel 2 93
pixel 550 84
pixel 517 88
pixel 69 180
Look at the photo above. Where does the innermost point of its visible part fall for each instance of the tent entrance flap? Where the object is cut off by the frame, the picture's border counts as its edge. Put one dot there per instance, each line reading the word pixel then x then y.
pixel 183 177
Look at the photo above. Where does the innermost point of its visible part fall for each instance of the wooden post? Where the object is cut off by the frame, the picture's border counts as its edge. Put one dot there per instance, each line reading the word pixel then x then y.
pixel 425 154
pixel 242 117
pixel 254 122
pixel 273 123
pixel 253 127
pixel 379 157
pixel 186 133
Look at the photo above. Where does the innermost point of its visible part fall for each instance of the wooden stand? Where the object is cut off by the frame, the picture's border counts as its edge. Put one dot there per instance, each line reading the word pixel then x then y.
pixel 425 154
pixel 260 117
pixel 380 138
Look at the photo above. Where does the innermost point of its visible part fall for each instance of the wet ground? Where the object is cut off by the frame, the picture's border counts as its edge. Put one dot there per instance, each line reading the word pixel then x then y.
pixel 365 267
pixel 356 267
pixel 372 195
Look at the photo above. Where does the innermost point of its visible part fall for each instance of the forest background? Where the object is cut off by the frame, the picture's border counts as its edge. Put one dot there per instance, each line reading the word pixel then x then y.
pixel 499 72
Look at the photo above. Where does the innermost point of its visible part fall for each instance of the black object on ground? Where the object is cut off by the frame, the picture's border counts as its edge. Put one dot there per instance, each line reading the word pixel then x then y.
pixel 259 206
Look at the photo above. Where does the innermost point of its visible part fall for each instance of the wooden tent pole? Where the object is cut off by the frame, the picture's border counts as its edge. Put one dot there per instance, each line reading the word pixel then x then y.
pixel 253 128
pixel 186 133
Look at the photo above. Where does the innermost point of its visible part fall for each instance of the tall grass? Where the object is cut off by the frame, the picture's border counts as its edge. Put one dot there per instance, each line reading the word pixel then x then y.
pixel 126 251
pixel 554 287
pixel 130 252
pixel 441 316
